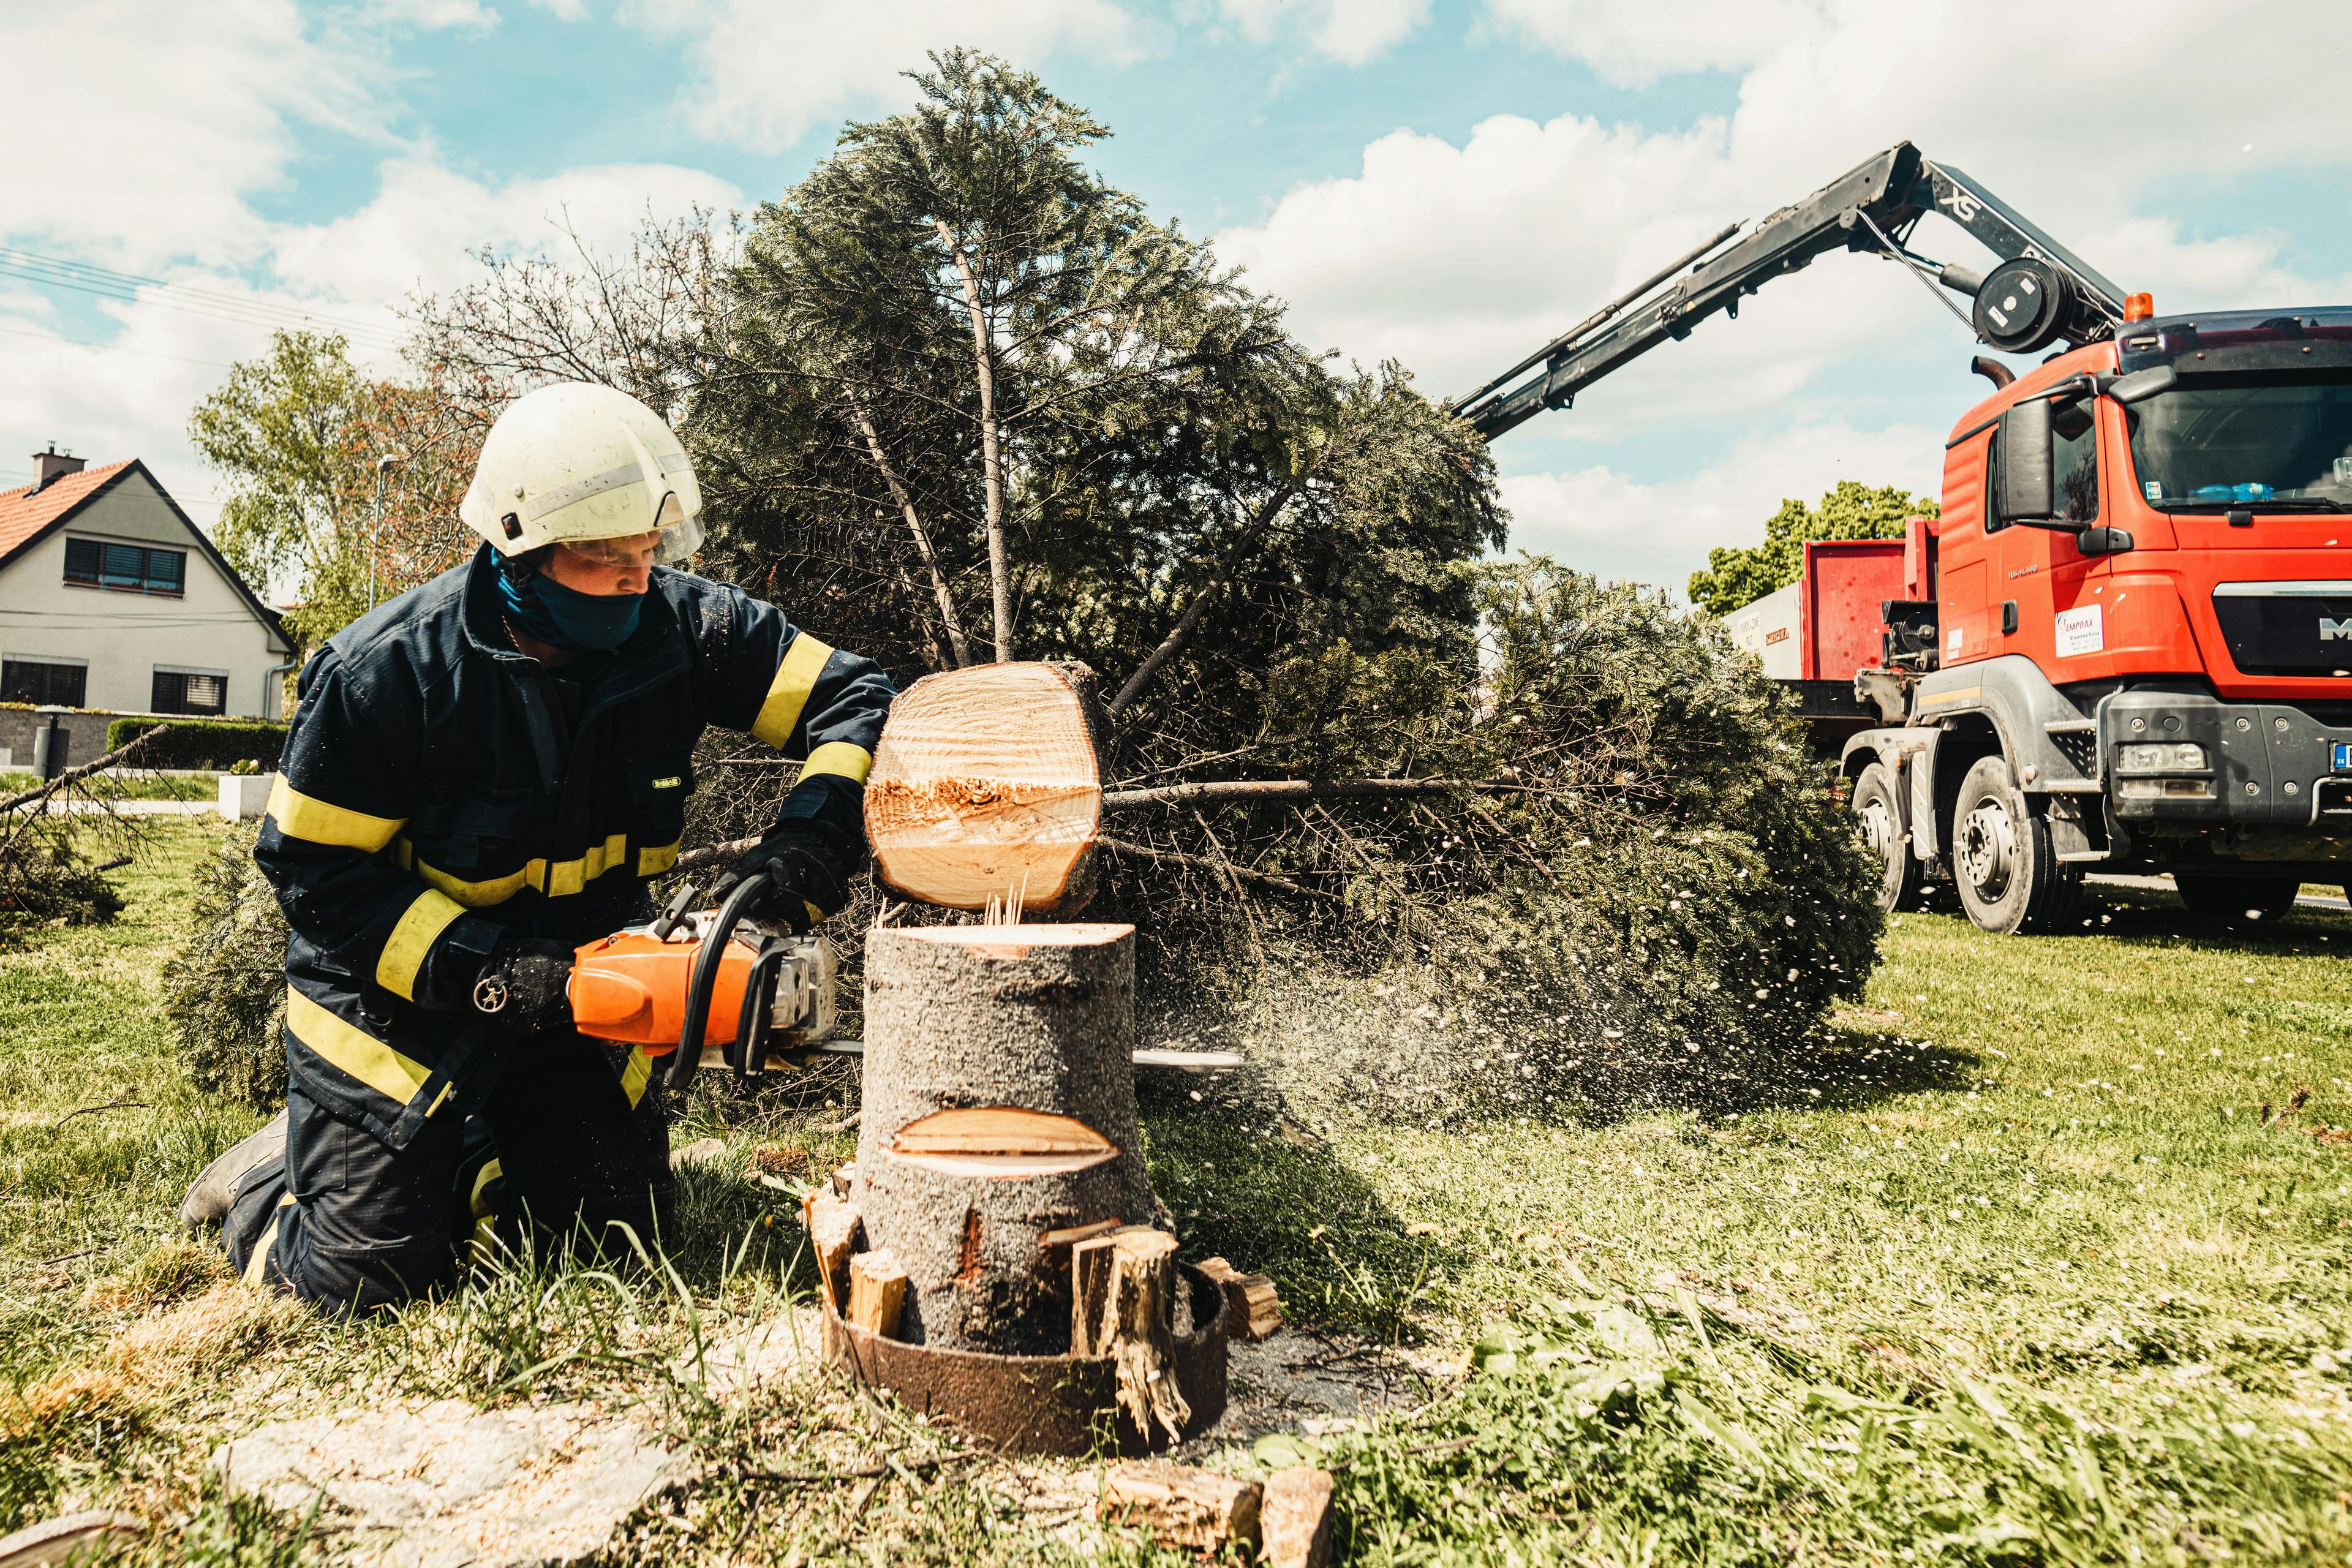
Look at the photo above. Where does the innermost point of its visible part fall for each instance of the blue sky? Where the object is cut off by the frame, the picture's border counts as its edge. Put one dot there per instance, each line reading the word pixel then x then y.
pixel 1448 182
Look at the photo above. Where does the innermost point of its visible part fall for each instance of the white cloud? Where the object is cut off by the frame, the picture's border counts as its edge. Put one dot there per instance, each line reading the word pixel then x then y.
pixel 1462 258
pixel 135 143
pixel 563 10
pixel 1598 520
pixel 1350 31
pixel 771 72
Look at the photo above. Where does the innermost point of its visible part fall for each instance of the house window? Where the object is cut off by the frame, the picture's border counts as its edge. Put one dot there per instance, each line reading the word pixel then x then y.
pixel 189 692
pixel 127 568
pixel 43 681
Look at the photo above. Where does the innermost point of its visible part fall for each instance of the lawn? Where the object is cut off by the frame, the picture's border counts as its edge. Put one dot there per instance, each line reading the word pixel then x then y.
pixel 133 785
pixel 2040 1257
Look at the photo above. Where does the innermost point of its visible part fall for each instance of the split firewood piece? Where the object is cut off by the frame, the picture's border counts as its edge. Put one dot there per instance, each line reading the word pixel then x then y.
pixel 877 1292
pixel 832 1227
pixel 1252 1308
pixel 1094 1263
pixel 1199 1510
pixel 845 1179
pixel 1143 1330
pixel 986 786
pixel 1295 1518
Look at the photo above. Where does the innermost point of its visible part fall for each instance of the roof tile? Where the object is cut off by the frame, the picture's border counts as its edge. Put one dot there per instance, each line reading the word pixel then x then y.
pixel 25 511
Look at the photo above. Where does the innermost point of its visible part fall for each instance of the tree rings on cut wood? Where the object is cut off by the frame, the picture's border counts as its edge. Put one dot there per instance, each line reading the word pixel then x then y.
pixel 986 786
pixel 998 1125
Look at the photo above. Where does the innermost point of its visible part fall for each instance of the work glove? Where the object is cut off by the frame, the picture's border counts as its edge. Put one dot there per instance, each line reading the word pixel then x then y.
pixel 807 875
pixel 524 988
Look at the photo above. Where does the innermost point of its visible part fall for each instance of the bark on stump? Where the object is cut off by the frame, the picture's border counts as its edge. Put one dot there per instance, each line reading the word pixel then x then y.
pixel 999 1117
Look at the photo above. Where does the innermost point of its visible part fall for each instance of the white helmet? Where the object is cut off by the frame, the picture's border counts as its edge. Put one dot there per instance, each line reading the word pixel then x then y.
pixel 576 462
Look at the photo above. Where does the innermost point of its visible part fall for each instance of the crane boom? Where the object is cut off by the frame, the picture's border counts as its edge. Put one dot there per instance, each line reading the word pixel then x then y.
pixel 1872 208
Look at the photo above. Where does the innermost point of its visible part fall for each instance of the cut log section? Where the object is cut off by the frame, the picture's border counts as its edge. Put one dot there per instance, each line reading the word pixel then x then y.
pixel 1253 1309
pixel 1193 1509
pixel 1295 1518
pixel 833 1228
pixel 998 1110
pixel 877 1292
pixel 986 787
pixel 1123 1305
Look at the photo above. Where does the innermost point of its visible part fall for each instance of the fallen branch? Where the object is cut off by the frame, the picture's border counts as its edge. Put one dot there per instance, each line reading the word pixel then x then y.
pixel 1216 868
pixel 72 775
pixel 94 1110
pixel 1294 789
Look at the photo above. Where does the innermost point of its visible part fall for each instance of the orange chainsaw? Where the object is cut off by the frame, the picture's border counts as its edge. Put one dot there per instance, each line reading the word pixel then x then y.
pixel 740 990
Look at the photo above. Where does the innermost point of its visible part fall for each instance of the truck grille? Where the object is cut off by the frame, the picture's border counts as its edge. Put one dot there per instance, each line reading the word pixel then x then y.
pixel 2287 628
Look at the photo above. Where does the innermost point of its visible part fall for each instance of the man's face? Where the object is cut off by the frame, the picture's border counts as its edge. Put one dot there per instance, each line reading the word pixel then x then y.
pixel 607 567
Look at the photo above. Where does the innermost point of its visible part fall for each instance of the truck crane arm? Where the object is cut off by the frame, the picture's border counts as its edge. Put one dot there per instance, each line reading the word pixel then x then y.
pixel 2040 293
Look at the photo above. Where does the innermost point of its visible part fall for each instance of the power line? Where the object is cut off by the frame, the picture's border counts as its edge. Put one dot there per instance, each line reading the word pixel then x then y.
pixel 112 348
pixel 133 289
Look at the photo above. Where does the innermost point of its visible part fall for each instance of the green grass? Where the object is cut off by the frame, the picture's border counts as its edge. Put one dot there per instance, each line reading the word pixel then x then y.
pixel 2015 1266
pixel 134 787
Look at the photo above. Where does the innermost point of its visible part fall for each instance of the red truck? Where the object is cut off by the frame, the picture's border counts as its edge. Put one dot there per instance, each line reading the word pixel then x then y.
pixel 2128 641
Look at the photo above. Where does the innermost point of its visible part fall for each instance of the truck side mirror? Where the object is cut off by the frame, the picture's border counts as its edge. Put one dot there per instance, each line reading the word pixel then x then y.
pixel 2142 384
pixel 2023 480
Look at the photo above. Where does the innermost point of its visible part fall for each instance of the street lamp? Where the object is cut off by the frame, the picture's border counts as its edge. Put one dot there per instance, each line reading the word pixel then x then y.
pixel 383 464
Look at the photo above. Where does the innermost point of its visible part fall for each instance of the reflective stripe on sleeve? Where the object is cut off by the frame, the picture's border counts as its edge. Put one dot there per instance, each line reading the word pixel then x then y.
pixel 567 877
pixel 307 818
pixel 634 1077
pixel 841 757
pixel 404 950
pixel 365 1057
pixel 656 858
pixel 796 677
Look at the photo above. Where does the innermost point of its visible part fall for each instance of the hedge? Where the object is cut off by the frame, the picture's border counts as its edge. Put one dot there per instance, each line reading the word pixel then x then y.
pixel 201 742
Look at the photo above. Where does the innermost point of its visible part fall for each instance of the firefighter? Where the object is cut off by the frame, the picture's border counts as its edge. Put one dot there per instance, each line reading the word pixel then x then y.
pixel 482 774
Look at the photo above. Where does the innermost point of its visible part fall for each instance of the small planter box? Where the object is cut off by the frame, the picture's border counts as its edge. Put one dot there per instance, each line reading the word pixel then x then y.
pixel 244 795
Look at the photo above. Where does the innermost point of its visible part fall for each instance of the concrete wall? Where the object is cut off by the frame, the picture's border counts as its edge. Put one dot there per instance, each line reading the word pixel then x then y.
pixel 86 735
pixel 123 637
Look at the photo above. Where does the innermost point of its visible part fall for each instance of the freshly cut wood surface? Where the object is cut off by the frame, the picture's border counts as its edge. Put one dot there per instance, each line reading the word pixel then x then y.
pixel 986 786
pixel 1295 1518
pixel 877 1292
pixel 1253 1309
pixel 1199 1510
pixel 1123 1305
pixel 832 1227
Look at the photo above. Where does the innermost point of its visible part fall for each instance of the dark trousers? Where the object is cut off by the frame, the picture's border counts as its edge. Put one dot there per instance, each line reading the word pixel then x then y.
pixel 347 1224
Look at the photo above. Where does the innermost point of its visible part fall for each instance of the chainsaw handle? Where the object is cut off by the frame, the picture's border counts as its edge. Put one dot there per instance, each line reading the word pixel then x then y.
pixel 704 979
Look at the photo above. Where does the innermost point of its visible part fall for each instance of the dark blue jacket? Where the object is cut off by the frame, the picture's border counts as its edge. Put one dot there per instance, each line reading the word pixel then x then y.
pixel 435 792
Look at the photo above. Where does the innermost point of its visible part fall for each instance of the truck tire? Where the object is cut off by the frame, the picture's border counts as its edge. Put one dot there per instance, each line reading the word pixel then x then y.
pixel 1879 813
pixel 2007 869
pixel 2236 898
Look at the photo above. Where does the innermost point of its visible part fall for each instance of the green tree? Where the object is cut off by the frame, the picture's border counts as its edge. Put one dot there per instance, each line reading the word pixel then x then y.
pixel 1850 510
pixel 302 436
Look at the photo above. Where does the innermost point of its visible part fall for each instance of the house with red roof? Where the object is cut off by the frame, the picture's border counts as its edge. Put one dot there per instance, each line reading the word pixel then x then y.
pixel 111 599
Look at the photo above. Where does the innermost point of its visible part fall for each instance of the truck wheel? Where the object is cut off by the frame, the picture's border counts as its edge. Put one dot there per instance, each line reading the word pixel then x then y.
pixel 2007 869
pixel 1880 816
pixel 2238 899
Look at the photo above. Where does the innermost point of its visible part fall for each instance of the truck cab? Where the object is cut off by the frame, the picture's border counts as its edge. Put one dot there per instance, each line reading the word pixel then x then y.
pixel 2128 640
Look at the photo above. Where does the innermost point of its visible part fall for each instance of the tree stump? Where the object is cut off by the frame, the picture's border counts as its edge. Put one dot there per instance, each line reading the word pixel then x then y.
pixel 999 1122
pixel 986 789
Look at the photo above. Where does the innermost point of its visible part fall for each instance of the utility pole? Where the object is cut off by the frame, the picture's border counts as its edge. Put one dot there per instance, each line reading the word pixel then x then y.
pixel 383 464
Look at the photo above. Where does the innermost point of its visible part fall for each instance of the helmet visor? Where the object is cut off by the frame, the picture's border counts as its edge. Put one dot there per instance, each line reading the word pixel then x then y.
pixel 675 540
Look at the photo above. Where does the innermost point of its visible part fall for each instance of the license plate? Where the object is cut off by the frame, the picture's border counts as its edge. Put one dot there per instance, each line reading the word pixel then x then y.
pixel 2343 756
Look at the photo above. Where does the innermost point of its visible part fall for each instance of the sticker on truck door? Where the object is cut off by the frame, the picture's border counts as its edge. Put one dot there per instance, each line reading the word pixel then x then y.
pixel 2080 631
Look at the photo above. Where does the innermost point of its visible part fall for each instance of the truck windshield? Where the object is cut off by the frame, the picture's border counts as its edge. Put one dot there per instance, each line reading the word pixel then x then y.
pixel 2247 439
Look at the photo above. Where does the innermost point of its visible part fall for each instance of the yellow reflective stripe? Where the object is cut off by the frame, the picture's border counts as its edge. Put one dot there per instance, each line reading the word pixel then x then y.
pixel 475 895
pixel 304 816
pixel 660 857
pixel 257 1268
pixel 364 1057
pixel 567 877
pixel 556 879
pixel 411 939
pixel 492 1169
pixel 839 757
pixel 789 693
pixel 634 1077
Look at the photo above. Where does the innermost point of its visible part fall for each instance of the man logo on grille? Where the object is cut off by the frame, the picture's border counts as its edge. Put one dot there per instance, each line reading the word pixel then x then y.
pixel 2335 631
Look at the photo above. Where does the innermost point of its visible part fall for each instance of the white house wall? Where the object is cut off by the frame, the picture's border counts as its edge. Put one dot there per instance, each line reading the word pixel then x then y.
pixel 123 636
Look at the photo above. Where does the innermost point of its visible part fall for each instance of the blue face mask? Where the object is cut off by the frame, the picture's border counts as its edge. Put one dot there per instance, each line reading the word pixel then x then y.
pixel 565 617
